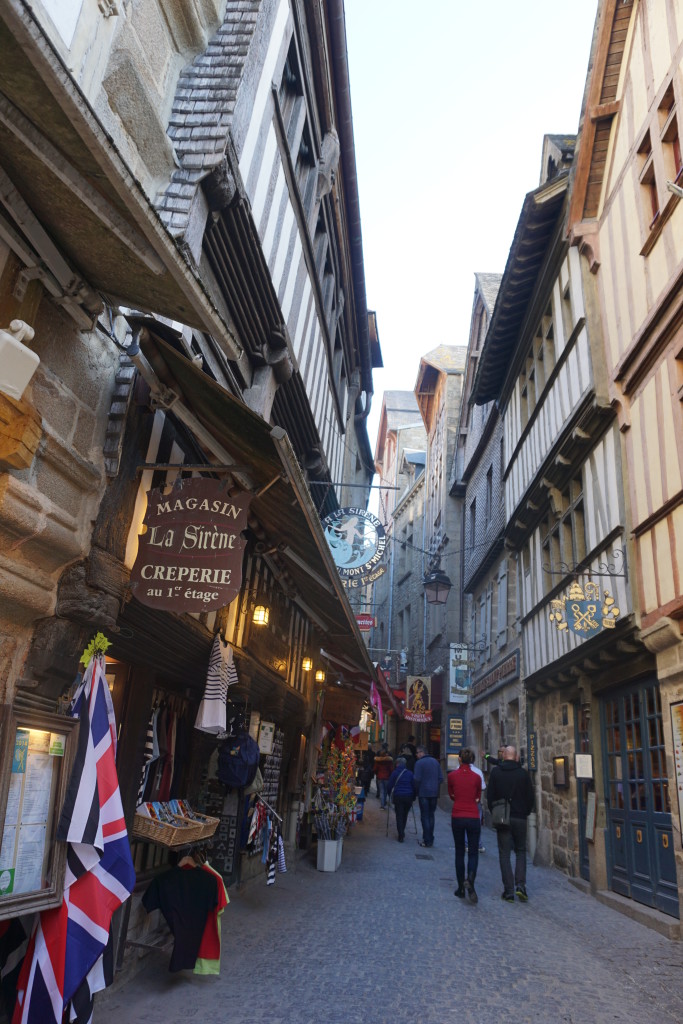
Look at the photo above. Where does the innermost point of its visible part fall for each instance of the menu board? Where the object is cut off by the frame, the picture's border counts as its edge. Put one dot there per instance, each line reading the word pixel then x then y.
pixel 30 797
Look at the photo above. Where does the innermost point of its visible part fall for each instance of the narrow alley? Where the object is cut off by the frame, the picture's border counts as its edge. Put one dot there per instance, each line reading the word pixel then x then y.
pixel 384 940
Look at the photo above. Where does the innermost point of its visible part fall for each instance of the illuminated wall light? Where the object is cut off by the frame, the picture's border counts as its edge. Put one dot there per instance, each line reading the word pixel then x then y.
pixel 320 676
pixel 307 664
pixel 261 615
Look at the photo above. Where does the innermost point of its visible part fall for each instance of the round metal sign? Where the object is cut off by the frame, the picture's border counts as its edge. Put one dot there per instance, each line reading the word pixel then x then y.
pixel 357 541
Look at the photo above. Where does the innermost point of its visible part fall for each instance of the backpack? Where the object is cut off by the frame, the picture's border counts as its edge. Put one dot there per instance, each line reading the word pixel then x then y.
pixel 238 760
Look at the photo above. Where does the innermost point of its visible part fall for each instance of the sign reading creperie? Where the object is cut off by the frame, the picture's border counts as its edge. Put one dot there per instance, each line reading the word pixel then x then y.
pixel 190 554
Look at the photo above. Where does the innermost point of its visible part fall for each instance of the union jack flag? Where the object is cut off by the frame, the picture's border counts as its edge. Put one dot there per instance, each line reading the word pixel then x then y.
pixel 67 946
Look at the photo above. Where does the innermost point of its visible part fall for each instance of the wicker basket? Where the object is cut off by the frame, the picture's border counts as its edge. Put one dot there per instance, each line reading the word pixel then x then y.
pixel 208 824
pixel 186 831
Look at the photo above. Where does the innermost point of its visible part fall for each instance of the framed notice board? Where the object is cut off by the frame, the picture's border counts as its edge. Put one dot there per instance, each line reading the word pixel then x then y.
pixel 36 755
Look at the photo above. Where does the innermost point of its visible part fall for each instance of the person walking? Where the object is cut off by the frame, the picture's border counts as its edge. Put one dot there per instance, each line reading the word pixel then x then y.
pixel 410 760
pixel 427 777
pixel 509 781
pixel 464 789
pixel 401 786
pixel 383 765
pixel 479 772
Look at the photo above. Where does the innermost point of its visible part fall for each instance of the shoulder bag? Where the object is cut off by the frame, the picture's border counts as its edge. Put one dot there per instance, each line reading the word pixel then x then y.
pixel 500 813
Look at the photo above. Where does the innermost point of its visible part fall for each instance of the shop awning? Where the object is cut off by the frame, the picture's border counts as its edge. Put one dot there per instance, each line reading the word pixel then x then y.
pixel 70 207
pixel 282 503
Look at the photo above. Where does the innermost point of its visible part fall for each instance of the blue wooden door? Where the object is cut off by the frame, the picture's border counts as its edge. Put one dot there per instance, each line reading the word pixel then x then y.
pixel 640 852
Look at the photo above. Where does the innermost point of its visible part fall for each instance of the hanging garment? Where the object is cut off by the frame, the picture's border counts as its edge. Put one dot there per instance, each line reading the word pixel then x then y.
pixel 281 864
pixel 167 771
pixel 182 744
pixel 272 855
pixel 155 772
pixel 209 957
pixel 185 897
pixel 149 755
pixel 221 674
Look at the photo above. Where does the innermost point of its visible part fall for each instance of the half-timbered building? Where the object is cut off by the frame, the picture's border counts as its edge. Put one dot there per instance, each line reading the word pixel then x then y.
pixel 181 293
pixel 486 650
pixel 566 524
pixel 625 220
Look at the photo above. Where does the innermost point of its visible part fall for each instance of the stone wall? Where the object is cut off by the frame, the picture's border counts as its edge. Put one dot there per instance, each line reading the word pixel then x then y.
pixel 557 810
pixel 47 508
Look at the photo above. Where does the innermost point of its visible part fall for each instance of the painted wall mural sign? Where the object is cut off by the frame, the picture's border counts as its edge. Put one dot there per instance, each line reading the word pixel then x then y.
pixel 357 541
pixel 418 699
pixel 190 554
pixel 583 611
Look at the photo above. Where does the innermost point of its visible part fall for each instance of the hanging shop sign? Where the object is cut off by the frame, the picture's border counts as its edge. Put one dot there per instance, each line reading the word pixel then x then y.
pixel 366 622
pixel 418 699
pixel 190 556
pixel 459 677
pixel 357 541
pixel 583 611
pixel 455 736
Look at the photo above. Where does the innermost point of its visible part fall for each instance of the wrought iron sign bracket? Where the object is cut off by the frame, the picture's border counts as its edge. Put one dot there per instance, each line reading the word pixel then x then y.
pixel 604 569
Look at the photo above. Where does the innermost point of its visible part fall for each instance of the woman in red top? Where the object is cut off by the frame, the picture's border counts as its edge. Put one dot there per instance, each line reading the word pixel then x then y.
pixel 464 789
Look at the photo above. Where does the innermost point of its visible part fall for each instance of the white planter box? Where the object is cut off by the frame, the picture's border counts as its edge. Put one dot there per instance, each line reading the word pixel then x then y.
pixel 329 854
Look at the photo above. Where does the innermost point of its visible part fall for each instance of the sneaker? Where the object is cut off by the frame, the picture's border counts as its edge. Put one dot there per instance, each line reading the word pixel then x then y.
pixel 471 893
pixel 459 892
pixel 520 892
pixel 482 849
pixel 509 897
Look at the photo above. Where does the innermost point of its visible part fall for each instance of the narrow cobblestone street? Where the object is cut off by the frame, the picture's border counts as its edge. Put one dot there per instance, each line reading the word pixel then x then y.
pixel 384 940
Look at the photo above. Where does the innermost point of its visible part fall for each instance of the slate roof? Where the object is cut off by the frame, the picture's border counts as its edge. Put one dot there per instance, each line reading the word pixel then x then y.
pixel 449 358
pixel 488 285
pixel 202 110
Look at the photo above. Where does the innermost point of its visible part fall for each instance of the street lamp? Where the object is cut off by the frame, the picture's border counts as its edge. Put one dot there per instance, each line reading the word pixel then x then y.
pixel 436 583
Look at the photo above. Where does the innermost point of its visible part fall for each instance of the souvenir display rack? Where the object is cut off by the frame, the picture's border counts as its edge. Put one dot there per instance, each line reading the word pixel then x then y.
pixel 271 770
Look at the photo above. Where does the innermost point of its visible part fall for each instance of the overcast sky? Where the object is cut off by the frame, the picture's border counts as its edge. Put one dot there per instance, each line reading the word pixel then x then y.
pixel 451 100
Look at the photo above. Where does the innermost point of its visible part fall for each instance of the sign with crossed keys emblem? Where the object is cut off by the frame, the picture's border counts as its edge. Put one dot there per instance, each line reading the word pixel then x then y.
pixel 583 611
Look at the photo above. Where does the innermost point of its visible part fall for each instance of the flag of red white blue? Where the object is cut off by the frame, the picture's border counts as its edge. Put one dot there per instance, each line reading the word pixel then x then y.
pixel 376 702
pixel 69 941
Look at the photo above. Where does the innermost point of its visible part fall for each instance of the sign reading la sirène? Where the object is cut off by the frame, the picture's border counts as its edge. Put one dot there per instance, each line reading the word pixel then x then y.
pixel 357 541
pixel 190 554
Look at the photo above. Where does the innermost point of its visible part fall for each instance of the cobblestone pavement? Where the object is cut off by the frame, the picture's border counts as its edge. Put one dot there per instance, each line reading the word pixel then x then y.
pixel 383 939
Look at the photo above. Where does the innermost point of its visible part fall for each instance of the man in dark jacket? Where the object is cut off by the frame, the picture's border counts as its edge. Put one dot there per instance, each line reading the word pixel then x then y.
pixel 511 782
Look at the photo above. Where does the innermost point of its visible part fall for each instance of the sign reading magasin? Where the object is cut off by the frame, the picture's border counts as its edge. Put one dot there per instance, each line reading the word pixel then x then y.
pixel 190 555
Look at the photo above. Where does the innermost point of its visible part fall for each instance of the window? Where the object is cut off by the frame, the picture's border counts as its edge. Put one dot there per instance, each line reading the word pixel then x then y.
pixel 671 145
pixel 489 496
pixel 538 366
pixel 564 533
pixel 659 161
pixel 648 182
pixel 290 94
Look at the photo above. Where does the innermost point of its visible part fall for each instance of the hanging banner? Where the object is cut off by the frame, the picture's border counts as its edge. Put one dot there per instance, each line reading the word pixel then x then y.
pixel 190 556
pixel 459 677
pixel 418 699
pixel 357 541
